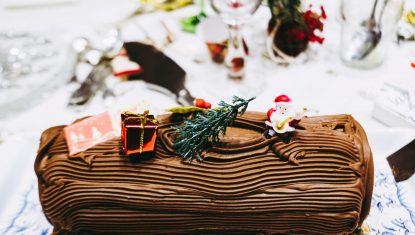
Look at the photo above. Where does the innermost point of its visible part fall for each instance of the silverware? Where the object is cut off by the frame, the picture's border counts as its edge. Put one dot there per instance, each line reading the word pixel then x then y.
pixel 169 34
pixel 183 97
pixel 365 40
pixel 96 78
pixel 79 46
pixel 160 72
pixel 93 82
pixel 168 39
pixel 147 38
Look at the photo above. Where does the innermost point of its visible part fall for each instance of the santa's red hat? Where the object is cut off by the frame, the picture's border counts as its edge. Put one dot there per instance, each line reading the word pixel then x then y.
pixel 282 98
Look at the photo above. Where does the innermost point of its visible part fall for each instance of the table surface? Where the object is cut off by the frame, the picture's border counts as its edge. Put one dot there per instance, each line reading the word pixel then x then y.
pixel 322 83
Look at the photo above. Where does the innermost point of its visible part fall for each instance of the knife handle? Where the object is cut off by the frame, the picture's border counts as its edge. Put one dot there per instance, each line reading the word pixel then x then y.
pixel 183 97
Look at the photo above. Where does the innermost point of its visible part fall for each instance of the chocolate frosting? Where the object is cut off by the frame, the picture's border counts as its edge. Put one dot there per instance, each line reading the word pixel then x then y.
pixel 320 182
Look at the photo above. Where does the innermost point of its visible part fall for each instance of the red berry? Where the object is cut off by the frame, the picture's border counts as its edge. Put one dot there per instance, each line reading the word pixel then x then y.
pixel 199 103
pixel 413 64
pixel 208 105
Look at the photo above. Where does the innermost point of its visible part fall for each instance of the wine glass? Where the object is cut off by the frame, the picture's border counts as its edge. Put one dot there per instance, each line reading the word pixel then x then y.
pixel 235 13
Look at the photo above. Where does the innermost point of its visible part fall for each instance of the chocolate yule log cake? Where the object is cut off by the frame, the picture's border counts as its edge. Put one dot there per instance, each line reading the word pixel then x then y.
pixel 319 181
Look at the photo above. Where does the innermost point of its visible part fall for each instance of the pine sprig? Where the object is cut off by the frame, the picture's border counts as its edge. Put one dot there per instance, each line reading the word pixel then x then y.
pixel 206 128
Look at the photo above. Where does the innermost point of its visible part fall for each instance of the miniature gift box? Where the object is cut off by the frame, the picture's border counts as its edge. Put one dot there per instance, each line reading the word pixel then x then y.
pixel 138 133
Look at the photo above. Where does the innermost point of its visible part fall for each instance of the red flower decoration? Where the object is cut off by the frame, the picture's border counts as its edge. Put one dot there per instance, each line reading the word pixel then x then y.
pixel 313 21
pixel 323 13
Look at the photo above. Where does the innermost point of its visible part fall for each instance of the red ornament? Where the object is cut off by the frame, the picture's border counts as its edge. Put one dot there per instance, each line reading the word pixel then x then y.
pixel 208 105
pixel 282 98
pixel 200 103
pixel 413 65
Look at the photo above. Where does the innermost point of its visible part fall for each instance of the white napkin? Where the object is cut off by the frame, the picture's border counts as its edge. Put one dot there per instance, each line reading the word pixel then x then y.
pixel 395 105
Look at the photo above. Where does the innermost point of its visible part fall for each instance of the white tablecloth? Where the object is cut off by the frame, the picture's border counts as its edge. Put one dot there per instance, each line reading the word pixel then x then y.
pixel 323 83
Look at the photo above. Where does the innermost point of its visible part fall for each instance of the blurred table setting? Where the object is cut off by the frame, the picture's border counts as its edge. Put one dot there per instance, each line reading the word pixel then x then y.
pixel 63 60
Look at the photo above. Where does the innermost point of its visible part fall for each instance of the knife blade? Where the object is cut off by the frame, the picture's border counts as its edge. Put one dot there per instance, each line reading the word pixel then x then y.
pixel 402 162
pixel 160 72
pixel 183 97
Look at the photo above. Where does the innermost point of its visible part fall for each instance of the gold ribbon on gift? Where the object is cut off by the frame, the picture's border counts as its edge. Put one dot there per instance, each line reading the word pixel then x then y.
pixel 144 119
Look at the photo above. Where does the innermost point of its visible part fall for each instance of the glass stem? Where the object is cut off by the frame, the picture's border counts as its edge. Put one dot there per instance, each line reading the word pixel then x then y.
pixel 235 58
pixel 202 7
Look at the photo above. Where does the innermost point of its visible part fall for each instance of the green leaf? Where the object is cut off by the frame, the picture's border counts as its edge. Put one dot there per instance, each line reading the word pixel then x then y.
pixel 185 110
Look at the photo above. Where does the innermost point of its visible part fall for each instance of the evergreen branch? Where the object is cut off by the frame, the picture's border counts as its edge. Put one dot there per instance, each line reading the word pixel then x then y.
pixel 205 129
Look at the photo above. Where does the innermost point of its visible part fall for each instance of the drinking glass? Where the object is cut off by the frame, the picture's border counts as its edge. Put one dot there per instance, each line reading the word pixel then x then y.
pixel 235 13
pixel 367 29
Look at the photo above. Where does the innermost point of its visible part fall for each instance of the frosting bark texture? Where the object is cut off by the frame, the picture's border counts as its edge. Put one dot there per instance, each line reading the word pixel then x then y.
pixel 320 182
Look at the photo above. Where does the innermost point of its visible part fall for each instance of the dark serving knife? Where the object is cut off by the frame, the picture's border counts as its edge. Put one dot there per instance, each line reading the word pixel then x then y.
pixel 402 162
pixel 182 97
pixel 160 72
pixel 93 82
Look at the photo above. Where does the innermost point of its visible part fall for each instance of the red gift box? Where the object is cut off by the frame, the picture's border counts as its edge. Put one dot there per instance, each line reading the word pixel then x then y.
pixel 138 133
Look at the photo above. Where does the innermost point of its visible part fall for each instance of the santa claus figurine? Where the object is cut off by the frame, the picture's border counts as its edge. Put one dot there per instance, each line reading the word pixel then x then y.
pixel 283 117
